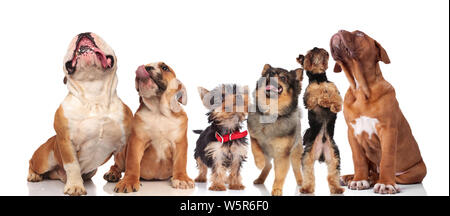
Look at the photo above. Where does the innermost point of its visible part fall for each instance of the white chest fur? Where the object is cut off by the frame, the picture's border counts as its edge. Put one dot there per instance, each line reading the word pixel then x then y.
pixel 96 131
pixel 365 124
pixel 163 130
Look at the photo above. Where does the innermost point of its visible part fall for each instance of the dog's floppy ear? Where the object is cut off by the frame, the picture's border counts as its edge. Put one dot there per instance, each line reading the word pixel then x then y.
pixel 204 96
pixel 181 95
pixel 337 68
pixel 382 54
pixel 266 67
pixel 301 59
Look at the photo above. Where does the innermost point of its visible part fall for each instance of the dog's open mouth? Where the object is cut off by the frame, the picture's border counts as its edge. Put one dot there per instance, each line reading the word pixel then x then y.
pixel 86 48
pixel 272 90
pixel 339 49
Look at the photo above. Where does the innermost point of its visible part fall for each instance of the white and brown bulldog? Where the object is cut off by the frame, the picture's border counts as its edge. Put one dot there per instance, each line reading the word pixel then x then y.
pixel 157 147
pixel 91 124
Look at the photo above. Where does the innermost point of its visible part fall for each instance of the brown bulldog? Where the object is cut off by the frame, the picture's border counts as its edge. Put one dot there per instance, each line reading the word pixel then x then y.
pixel 384 149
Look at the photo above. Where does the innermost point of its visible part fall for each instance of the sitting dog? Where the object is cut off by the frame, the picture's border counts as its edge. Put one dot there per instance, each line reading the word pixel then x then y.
pixel 157 147
pixel 274 128
pixel 91 124
pixel 384 149
pixel 221 146
pixel 323 102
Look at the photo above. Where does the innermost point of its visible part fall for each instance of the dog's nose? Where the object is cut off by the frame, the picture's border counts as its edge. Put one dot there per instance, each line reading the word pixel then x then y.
pixel 149 68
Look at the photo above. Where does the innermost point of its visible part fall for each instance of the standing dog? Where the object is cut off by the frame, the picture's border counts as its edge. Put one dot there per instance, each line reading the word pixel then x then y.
pixel 384 149
pixel 157 147
pixel 91 124
pixel 274 128
pixel 221 146
pixel 323 102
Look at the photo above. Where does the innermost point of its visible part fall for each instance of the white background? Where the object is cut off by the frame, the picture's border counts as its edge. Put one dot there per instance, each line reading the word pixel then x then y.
pixel 208 43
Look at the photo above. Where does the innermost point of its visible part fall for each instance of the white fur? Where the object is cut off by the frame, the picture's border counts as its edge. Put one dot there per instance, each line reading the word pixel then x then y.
pixel 163 130
pixel 359 185
pixel 365 124
pixel 74 179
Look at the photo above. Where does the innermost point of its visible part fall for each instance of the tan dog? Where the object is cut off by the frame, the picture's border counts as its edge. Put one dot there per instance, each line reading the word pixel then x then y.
pixel 157 148
pixel 91 124
pixel 384 149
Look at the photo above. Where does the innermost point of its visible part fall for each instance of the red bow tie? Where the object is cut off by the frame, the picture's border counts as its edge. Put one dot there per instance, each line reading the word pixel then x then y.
pixel 229 137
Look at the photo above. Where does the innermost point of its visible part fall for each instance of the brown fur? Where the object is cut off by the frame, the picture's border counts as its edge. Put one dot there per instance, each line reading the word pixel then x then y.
pixel 325 95
pixel 393 149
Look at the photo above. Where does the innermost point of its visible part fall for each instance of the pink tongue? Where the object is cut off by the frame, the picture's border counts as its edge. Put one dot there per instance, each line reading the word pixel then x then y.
pixel 101 56
pixel 271 88
pixel 141 72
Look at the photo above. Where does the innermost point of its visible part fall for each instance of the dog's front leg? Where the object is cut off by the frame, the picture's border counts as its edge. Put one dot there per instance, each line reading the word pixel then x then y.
pixel 180 179
pixel 281 169
pixel 74 181
pixel 361 166
pixel 386 183
pixel 135 151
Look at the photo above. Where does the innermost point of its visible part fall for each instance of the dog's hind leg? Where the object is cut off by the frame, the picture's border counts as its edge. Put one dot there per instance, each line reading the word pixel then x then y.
pixel 267 167
pixel 296 161
pixel 308 171
pixel 115 172
pixel 42 161
pixel 203 171
pixel 332 159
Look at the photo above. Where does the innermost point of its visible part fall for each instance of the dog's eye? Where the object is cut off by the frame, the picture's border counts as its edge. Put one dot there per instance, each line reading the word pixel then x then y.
pixel 165 68
pixel 283 78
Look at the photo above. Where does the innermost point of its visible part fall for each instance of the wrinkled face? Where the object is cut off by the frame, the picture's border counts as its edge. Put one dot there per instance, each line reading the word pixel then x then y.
pixel 227 103
pixel 154 79
pixel 89 58
pixel 278 88
pixel 315 61
pixel 347 46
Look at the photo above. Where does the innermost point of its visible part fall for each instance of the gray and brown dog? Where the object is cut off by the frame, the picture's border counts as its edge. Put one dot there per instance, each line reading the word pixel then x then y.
pixel 274 128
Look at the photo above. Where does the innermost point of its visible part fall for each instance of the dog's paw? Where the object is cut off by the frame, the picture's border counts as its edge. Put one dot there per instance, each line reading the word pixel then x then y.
pixel 277 192
pixel 127 185
pixel 307 190
pixel 359 185
pixel 200 179
pixel 34 177
pixel 74 189
pixel 236 187
pixel 336 190
pixel 217 187
pixel 259 181
pixel 112 176
pixel 345 180
pixel 335 108
pixel 182 183
pixel 386 188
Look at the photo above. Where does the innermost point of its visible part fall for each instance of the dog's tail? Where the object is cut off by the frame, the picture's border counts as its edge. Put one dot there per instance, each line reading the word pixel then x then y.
pixel 258 154
pixel 197 131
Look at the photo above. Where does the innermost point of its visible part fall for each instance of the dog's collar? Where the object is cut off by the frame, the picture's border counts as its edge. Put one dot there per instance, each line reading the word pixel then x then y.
pixel 230 137
pixel 321 77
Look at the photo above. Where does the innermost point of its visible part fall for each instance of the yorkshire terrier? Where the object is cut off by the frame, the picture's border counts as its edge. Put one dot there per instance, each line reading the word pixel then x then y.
pixel 221 146
pixel 323 101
